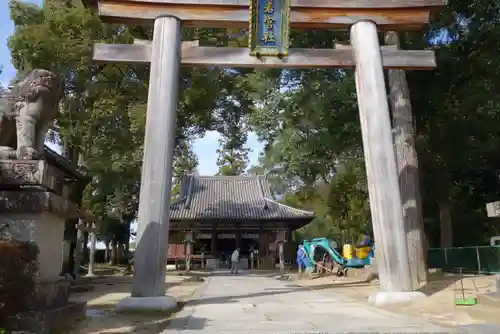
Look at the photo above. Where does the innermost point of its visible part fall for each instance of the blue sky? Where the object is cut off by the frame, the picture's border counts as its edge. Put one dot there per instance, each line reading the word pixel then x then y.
pixel 205 148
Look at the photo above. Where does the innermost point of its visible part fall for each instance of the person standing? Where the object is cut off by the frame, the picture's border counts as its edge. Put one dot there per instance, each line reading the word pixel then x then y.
pixel 251 257
pixel 235 257
pixel 302 261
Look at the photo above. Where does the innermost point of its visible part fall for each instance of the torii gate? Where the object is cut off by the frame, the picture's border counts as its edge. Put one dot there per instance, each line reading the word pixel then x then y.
pixel 167 53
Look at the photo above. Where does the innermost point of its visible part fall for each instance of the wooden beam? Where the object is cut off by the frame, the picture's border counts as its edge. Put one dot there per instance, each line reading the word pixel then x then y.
pixel 341 46
pixel 370 4
pixel 187 44
pixel 193 55
pixel 388 15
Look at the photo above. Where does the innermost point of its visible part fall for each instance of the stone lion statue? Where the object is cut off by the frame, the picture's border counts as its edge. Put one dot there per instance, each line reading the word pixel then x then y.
pixel 26 114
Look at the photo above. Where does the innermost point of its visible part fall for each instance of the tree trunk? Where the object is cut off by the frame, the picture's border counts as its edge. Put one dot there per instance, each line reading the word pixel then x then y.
pixel 407 163
pixel 119 254
pixel 446 229
pixel 106 251
pixel 127 243
pixel 78 251
pixel 114 253
pixel 444 206
pixel 85 248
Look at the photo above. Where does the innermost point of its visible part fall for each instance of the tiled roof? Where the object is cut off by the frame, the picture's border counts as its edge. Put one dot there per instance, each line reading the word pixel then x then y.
pixel 230 197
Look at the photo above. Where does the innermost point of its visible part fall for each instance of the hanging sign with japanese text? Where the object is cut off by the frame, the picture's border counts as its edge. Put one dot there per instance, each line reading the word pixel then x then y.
pixel 269 27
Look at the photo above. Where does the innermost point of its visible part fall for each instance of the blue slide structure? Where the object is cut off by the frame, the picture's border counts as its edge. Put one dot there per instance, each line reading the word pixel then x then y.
pixel 328 246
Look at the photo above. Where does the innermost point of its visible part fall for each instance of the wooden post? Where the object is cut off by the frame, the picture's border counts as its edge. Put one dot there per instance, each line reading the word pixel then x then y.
pixel 93 239
pixel 202 259
pixel 78 248
pixel 156 181
pixel 188 242
pixel 407 165
pixel 280 257
pixel 214 244
pixel 380 160
pixel 281 239
pixel 237 236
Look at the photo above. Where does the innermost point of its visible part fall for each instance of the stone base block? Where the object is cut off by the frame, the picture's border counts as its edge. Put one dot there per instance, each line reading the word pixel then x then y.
pixel 390 298
pixel 31 173
pixel 57 319
pixel 64 316
pixel 161 303
pixel 51 294
pixel 39 217
pixel 81 288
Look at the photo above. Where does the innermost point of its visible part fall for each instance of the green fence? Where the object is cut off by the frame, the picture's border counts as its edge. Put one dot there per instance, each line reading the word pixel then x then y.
pixel 475 259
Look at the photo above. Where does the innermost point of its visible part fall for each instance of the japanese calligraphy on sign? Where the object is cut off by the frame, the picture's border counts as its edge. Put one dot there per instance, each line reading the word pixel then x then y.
pixel 269 27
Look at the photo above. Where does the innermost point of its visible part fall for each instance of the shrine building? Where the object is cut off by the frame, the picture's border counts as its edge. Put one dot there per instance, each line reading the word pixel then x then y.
pixel 221 213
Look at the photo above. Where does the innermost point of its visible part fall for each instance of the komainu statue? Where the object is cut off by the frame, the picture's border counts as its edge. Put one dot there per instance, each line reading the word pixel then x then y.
pixel 26 114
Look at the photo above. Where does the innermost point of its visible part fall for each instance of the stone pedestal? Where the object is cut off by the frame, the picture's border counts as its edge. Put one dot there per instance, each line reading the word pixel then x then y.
pixel 33 207
pixel 38 217
pixel 52 293
pixel 31 175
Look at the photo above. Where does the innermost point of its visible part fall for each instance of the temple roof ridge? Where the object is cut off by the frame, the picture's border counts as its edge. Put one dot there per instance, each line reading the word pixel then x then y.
pixel 241 197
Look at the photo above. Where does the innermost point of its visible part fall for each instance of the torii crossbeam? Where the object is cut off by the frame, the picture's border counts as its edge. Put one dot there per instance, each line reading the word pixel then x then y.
pixel 166 53
pixel 305 14
pixel 194 55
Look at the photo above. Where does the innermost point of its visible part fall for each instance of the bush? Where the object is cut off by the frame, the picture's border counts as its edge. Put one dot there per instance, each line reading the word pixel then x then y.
pixel 18 267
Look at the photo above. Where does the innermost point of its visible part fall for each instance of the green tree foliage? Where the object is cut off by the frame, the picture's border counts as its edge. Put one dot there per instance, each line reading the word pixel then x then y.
pixel 315 145
pixel 308 119
pixel 457 114
pixel 231 113
pixel 102 114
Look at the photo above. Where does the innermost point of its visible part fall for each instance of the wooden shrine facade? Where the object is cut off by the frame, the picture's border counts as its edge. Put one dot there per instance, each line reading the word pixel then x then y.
pixel 224 212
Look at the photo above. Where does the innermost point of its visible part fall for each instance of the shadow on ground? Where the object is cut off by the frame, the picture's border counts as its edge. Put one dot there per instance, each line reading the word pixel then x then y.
pixel 439 283
pixel 288 289
pixel 159 322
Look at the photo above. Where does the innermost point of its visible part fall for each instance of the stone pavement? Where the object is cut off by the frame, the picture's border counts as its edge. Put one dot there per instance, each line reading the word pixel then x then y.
pixel 252 303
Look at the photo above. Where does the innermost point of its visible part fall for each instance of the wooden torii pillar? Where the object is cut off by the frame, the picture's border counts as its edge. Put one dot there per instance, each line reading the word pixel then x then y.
pixel 91 226
pixel 167 53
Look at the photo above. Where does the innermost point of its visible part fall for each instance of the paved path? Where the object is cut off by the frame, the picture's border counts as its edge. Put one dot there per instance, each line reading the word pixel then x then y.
pixel 255 304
